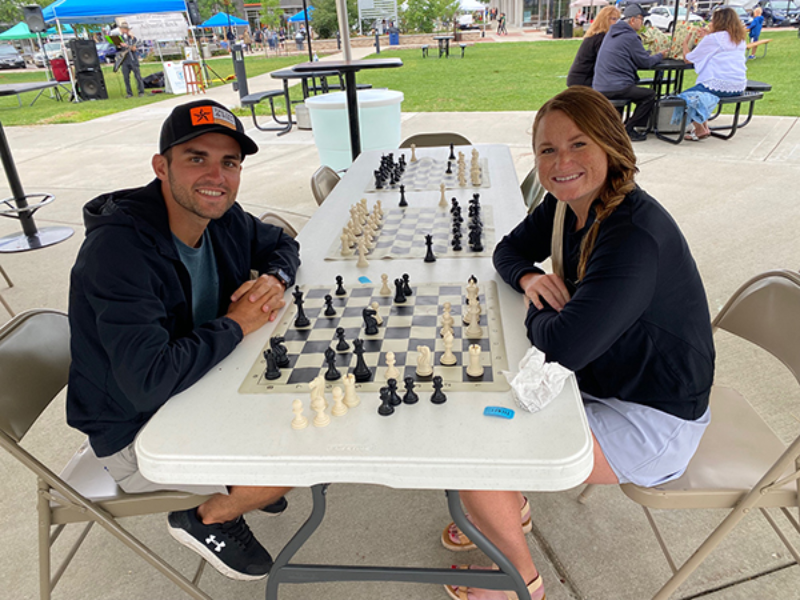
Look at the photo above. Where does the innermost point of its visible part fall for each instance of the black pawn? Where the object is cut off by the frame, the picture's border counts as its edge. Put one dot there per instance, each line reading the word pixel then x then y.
pixel 394 397
pixel 403 202
pixel 329 310
pixel 342 346
pixel 438 396
pixel 410 397
pixel 361 372
pixel 406 286
pixel 386 408
pixel 449 168
pixel 399 295
pixel 273 372
pixel 452 152
pixel 332 374
pixel 340 291
pixel 429 255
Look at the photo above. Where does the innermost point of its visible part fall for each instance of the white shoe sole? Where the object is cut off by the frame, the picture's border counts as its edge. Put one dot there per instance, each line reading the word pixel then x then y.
pixel 183 537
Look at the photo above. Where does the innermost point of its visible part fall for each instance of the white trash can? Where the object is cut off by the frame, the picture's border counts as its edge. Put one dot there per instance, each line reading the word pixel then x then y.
pixel 379 121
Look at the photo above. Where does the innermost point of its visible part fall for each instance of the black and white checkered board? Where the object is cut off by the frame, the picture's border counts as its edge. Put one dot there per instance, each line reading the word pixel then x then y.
pixel 405 326
pixel 404 229
pixel 429 173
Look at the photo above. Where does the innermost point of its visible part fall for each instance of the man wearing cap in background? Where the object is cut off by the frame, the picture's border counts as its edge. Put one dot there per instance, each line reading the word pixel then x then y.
pixel 159 294
pixel 130 62
pixel 620 57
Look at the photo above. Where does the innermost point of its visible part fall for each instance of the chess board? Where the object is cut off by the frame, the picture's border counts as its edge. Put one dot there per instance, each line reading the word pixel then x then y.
pixel 405 326
pixel 429 173
pixel 404 229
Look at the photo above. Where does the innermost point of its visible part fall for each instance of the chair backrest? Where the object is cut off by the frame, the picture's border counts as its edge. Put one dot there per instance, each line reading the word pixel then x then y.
pixel 323 181
pixel 766 312
pixel 60 69
pixel 277 220
pixel 34 367
pixel 427 140
pixel 532 191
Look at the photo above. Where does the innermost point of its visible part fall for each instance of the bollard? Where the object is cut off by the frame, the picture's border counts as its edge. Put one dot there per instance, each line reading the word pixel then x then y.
pixel 239 69
pixel 377 43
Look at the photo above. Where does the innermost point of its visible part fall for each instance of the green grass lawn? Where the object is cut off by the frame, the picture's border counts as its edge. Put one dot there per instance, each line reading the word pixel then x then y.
pixel 492 77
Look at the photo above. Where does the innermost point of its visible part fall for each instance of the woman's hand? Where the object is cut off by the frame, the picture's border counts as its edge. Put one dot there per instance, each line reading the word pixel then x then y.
pixel 549 288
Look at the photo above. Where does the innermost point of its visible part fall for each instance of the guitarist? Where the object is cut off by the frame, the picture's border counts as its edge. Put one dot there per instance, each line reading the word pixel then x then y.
pixel 130 60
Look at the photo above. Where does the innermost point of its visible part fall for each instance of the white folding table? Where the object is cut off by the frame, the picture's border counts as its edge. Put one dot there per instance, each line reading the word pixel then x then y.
pixel 212 434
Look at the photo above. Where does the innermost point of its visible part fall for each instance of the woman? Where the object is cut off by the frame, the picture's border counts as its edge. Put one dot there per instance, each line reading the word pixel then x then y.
pixel 629 316
pixel 721 70
pixel 582 70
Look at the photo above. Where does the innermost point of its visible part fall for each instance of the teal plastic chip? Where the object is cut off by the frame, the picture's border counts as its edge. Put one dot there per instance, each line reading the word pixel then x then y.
pixel 498 411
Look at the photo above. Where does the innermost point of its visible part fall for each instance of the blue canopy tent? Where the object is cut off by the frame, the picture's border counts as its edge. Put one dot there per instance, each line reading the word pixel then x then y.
pixel 301 16
pixel 222 19
pixel 64 29
pixel 105 11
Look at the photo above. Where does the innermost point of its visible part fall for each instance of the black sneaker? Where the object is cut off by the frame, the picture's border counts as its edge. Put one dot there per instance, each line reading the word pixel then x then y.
pixel 276 507
pixel 229 547
pixel 637 136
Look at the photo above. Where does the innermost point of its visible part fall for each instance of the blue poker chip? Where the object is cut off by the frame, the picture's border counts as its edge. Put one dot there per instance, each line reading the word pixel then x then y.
pixel 364 279
pixel 498 411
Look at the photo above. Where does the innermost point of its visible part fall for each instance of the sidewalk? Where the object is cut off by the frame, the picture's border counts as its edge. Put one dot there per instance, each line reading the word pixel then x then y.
pixel 737 204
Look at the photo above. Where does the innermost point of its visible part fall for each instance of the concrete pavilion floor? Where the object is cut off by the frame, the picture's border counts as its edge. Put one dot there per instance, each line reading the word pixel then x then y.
pixel 736 202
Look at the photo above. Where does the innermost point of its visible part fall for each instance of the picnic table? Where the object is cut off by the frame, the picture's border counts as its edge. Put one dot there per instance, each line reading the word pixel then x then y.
pixel 444 44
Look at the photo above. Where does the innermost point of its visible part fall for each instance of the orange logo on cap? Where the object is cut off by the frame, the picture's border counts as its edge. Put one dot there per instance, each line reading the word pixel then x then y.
pixel 212 115
pixel 202 115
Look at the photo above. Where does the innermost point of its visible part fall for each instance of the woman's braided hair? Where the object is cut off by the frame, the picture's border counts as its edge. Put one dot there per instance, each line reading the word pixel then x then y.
pixel 595 116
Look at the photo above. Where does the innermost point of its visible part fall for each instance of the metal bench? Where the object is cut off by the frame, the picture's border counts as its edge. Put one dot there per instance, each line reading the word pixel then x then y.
pixel 252 100
pixel 670 102
pixel 463 47
pixel 744 97
pixel 623 106
pixel 753 46
pixel 425 50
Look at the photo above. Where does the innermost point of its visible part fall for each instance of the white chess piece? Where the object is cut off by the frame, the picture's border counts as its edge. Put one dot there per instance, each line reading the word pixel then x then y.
pixel 375 306
pixel 475 368
pixel 299 421
pixel 474 330
pixel 362 263
pixel 413 153
pixel 391 370
pixel 321 420
pixel 346 250
pixel 448 359
pixel 424 367
pixel 339 408
pixel 462 179
pixel 447 319
pixel 385 289
pixel 442 199
pixel 351 399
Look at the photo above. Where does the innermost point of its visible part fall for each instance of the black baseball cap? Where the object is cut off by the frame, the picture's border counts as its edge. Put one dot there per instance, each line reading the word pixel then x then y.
pixel 194 119
pixel 634 10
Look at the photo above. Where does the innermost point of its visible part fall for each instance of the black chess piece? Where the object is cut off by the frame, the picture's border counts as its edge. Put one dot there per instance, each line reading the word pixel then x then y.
pixel 457 244
pixel 342 345
pixel 279 351
pixel 452 152
pixel 386 408
pixel 429 255
pixel 438 396
pixel 301 320
pixel 403 202
pixel 472 279
pixel 340 291
pixel 449 168
pixel 410 397
pixel 407 291
pixel 332 374
pixel 272 372
pixel 399 295
pixel 361 372
pixel 370 322
pixel 329 310
pixel 394 397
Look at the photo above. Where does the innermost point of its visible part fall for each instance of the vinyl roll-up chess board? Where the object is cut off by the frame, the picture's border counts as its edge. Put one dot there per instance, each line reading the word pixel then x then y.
pixel 429 173
pixel 405 326
pixel 403 235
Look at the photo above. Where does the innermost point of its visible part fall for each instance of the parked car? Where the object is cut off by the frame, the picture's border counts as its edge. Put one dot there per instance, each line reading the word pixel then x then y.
pixel 53 49
pixel 10 58
pixel 106 52
pixel 780 13
pixel 744 16
pixel 662 17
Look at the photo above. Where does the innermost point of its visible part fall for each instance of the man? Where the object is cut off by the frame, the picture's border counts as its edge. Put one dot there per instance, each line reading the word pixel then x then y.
pixel 620 56
pixel 159 294
pixel 130 63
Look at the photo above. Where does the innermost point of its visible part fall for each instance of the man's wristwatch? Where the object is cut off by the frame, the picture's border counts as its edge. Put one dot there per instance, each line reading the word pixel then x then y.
pixel 281 276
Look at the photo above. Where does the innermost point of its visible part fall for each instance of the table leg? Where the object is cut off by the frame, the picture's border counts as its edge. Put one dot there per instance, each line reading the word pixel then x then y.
pixel 352 113
pixel 282 572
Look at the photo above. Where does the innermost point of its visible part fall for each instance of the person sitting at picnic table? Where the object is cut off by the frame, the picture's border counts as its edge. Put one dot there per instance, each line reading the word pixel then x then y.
pixel 582 70
pixel 721 69
pixel 620 57
pixel 754 28
pixel 627 313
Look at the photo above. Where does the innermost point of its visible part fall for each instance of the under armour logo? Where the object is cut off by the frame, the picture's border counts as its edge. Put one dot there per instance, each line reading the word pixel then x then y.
pixel 212 539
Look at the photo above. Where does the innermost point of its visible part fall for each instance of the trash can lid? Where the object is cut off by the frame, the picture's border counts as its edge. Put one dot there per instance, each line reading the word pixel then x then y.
pixel 366 98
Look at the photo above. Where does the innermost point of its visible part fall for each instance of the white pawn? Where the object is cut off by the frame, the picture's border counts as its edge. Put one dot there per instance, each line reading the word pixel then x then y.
pixel 413 153
pixel 475 368
pixel 362 263
pixel 474 330
pixel 442 199
pixel 462 179
pixel 385 289
pixel 448 359
pixel 321 420
pixel 375 306
pixel 346 250
pixel 339 408
pixel 379 208
pixel 351 399
pixel 391 370
pixel 447 323
pixel 424 367
pixel 299 421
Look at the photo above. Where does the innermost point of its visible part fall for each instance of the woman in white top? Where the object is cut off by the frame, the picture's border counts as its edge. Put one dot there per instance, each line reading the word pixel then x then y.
pixel 719 60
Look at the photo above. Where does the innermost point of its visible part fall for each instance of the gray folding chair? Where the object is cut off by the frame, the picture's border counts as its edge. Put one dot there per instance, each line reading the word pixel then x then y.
pixel 740 464
pixel 34 366
pixel 10 284
pixel 532 191
pixel 277 220
pixel 323 181
pixel 427 140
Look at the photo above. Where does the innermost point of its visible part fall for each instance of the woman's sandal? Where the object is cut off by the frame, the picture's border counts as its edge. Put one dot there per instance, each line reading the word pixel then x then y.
pixel 454 539
pixel 691 136
pixel 461 593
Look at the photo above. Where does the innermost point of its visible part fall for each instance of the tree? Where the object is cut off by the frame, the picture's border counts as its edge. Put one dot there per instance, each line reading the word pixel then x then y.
pixel 422 15
pixel 326 23
pixel 11 11
pixel 271 13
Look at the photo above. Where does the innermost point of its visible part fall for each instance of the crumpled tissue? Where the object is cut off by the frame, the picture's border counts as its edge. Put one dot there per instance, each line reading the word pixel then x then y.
pixel 537 382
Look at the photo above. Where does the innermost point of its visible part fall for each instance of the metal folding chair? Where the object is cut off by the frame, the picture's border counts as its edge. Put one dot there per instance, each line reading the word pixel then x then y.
pixel 427 140
pixel 323 181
